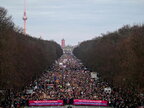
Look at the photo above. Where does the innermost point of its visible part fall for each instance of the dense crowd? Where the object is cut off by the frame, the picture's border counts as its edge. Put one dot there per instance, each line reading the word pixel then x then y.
pixel 69 79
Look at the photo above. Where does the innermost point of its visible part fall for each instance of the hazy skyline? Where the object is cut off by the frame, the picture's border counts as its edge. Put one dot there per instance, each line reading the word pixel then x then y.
pixel 74 20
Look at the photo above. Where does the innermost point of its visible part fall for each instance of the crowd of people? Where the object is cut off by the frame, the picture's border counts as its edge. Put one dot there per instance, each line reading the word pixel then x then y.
pixel 69 79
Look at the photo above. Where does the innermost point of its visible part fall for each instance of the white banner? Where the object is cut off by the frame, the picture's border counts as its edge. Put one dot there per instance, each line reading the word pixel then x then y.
pixel 94 75
pixel 29 91
pixel 107 90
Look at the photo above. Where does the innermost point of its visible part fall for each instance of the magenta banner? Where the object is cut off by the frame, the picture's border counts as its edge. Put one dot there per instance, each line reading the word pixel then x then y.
pixel 90 102
pixel 46 103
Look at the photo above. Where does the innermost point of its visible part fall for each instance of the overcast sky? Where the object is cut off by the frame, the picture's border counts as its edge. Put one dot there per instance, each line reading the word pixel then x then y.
pixel 75 20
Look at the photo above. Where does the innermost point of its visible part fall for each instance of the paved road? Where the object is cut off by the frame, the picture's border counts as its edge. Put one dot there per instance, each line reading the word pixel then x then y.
pixel 72 107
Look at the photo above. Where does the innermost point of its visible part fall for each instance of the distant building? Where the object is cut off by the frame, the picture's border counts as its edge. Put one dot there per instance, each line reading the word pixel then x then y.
pixel 68 49
pixel 62 43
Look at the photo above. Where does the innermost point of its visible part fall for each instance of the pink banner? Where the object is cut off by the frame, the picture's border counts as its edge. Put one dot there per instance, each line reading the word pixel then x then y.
pixel 46 103
pixel 90 102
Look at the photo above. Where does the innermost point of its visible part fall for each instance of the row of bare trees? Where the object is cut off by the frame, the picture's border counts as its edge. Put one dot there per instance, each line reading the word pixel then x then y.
pixel 117 56
pixel 22 57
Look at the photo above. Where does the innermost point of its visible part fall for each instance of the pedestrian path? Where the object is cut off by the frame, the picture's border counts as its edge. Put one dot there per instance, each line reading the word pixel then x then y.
pixel 67 81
